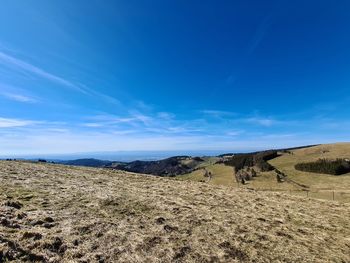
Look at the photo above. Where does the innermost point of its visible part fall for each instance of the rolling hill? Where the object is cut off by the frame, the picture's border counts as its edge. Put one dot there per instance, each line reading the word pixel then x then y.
pixel 172 166
pixel 318 185
pixel 56 213
pixel 89 162
pixel 286 164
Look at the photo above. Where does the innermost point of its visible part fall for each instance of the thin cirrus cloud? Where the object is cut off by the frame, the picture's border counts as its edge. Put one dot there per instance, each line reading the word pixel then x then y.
pixel 8 60
pixel 267 122
pixel 217 113
pixel 234 117
pixel 234 133
pixel 47 142
pixel 260 33
pixel 16 94
pixel 159 122
pixel 18 97
pixel 10 123
pixel 107 119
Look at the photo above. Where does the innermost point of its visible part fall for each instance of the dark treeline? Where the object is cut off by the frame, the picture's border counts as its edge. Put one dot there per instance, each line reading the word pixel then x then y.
pixel 259 159
pixel 325 166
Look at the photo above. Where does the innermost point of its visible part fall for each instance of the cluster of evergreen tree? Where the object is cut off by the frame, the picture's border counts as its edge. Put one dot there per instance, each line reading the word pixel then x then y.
pixel 325 166
pixel 259 159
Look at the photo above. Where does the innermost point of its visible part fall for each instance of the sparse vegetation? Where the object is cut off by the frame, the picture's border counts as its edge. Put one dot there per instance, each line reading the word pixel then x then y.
pixel 56 213
pixel 293 181
pixel 325 166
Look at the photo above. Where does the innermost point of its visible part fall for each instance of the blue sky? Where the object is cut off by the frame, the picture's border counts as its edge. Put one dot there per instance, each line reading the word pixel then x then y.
pixel 87 76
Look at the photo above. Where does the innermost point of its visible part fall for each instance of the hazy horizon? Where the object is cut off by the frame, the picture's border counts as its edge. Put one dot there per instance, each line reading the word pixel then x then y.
pixel 122 155
pixel 127 156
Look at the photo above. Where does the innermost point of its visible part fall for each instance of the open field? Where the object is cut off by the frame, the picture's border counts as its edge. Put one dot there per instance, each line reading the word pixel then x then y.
pixel 222 175
pixel 55 213
pixel 286 162
pixel 319 185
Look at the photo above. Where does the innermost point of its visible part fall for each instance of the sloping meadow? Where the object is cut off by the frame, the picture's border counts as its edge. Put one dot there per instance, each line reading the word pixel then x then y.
pixel 55 213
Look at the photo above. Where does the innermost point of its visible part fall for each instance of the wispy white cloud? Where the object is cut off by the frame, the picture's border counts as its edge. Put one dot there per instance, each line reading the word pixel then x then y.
pixel 103 96
pixel 8 60
pixel 18 97
pixel 146 120
pixel 47 141
pixel 18 64
pixel 29 137
pixel 234 133
pixel 16 94
pixel 267 122
pixel 93 124
pixel 157 123
pixel 107 119
pixel 123 132
pixel 280 136
pixel 9 123
pixel 260 33
pixel 218 113
pixel 58 130
pixel 235 118
pixel 166 115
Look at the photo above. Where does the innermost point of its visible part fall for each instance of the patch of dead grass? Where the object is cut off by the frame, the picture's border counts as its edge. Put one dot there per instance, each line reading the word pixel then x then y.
pixel 79 214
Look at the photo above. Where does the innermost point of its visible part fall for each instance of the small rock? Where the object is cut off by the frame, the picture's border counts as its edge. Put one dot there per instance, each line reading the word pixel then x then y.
pixel 99 234
pixel 21 215
pixel 48 225
pixel 49 219
pixel 8 223
pixel 168 228
pixel 36 222
pixel 57 246
pixel 160 220
pixel 100 258
pixel 35 236
pixel 14 204
pixel 278 220
pixel 182 252
pixel 76 242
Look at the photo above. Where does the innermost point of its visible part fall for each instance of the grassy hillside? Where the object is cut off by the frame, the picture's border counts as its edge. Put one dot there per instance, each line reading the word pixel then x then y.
pixel 319 185
pixel 322 185
pixel 222 175
pixel 286 163
pixel 59 213
pixel 172 166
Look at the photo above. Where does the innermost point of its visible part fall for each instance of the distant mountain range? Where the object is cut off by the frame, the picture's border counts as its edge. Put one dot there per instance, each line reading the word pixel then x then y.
pixel 90 162
pixel 167 167
pixel 178 165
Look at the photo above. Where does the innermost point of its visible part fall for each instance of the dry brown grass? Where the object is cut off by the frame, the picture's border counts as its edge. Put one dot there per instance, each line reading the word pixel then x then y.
pixel 286 163
pixel 222 175
pixel 72 214
pixel 321 186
